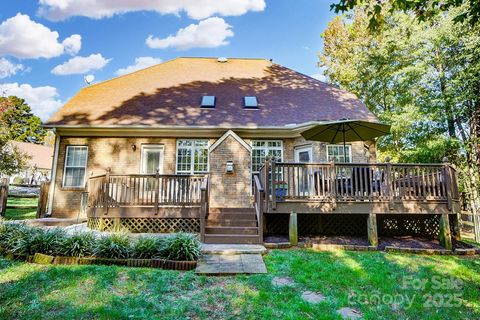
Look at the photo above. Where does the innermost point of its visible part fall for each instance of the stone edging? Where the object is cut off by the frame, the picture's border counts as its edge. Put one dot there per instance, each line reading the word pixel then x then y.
pixel 325 247
pixel 144 263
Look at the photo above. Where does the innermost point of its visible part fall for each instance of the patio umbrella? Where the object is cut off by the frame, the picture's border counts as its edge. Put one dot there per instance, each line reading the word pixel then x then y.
pixel 346 130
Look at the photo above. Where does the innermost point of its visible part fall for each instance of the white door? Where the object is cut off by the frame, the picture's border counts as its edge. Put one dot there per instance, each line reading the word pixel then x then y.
pixel 152 159
pixel 304 178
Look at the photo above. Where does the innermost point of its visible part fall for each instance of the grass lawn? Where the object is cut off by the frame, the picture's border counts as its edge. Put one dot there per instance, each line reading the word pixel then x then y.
pixel 22 213
pixel 436 287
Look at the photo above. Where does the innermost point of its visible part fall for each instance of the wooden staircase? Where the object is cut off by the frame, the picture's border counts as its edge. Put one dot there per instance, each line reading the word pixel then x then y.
pixel 232 226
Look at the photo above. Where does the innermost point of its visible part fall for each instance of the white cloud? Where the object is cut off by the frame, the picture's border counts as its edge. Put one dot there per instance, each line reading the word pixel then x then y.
pixel 140 63
pixel 196 9
pixel 319 76
pixel 208 33
pixel 43 100
pixel 72 44
pixel 80 65
pixel 23 38
pixel 8 68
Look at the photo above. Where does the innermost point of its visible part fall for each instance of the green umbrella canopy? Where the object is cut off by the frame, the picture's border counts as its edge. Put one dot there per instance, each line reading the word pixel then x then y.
pixel 346 131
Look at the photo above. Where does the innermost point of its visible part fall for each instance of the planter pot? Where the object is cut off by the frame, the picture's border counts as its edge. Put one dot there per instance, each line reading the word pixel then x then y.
pixel 143 263
pixel 41 258
pixel 65 260
pixel 280 191
pixel 173 265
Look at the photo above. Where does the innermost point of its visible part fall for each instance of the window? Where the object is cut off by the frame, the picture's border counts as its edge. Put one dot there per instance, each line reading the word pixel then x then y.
pixel 152 159
pixel 250 102
pixel 192 156
pixel 75 166
pixel 208 102
pixel 335 152
pixel 264 148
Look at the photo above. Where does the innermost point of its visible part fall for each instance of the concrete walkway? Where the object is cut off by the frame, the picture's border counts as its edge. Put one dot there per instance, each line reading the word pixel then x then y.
pixel 228 259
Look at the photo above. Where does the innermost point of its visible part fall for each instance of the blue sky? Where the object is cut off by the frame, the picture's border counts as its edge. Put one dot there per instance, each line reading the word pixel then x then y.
pixel 47 47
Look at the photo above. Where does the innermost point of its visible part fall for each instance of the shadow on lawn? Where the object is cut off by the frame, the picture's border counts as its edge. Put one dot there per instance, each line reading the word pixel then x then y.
pixel 119 292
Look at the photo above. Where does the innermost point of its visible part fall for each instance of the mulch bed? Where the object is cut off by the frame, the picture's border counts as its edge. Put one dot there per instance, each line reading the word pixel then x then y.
pixel 407 243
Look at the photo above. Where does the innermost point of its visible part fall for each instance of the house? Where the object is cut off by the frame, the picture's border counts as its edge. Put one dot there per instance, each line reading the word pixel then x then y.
pixel 39 165
pixel 187 145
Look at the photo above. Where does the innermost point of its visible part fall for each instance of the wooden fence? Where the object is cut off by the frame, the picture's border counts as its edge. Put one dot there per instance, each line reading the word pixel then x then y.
pixel 41 207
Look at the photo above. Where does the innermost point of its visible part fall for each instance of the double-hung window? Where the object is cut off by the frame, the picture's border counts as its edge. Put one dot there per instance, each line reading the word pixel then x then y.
pixel 75 166
pixel 338 153
pixel 265 148
pixel 192 156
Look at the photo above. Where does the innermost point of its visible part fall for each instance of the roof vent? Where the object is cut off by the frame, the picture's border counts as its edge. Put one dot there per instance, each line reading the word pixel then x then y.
pixel 222 60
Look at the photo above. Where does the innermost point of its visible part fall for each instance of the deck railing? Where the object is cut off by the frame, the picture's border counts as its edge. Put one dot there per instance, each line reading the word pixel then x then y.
pixel 146 190
pixel 350 182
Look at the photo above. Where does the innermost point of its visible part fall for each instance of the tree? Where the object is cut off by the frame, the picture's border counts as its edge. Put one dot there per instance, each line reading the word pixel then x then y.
pixel 12 160
pixel 469 10
pixel 19 122
pixel 421 77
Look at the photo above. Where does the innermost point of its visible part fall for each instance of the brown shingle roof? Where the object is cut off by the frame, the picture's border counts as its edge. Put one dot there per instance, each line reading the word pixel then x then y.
pixel 169 94
pixel 41 156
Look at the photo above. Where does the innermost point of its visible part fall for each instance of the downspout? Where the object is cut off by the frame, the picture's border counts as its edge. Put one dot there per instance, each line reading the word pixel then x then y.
pixel 53 177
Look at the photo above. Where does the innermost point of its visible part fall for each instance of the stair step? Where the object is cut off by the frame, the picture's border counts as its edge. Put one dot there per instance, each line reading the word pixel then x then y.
pixel 230 223
pixel 232 216
pixel 232 230
pixel 232 238
pixel 231 210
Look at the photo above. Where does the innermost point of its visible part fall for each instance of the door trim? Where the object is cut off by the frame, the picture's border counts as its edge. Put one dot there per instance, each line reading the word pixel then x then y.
pixel 146 147
pixel 298 149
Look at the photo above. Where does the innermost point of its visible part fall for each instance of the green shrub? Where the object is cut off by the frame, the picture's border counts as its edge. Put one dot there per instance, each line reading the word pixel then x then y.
pixel 78 245
pixel 148 247
pixel 113 246
pixel 38 240
pixel 181 246
pixel 11 234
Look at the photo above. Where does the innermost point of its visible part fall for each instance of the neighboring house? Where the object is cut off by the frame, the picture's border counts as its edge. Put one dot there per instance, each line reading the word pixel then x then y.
pixel 39 165
pixel 186 118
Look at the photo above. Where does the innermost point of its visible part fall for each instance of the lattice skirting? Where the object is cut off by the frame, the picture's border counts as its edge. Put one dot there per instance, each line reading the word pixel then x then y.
pixel 356 224
pixel 145 225
pixel 411 225
pixel 318 224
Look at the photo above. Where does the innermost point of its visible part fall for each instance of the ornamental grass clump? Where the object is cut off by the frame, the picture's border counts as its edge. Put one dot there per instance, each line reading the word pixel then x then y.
pixel 113 246
pixel 78 245
pixel 148 247
pixel 182 247
pixel 38 240
pixel 10 234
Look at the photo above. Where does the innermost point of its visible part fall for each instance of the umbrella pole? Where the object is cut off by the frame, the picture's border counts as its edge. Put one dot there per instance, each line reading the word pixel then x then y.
pixel 344 144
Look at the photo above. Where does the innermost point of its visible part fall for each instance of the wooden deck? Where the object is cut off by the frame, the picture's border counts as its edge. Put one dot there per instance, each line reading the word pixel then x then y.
pixel 168 203
pixel 359 188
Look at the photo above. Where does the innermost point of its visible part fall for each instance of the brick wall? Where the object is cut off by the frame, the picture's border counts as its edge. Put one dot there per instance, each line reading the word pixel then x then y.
pixel 230 189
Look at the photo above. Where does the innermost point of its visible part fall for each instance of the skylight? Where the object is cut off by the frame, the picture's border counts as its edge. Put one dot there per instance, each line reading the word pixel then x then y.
pixel 208 102
pixel 250 102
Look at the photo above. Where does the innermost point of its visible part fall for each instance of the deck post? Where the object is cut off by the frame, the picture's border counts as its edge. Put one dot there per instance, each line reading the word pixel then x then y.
pixel 267 187
pixel 388 182
pixel 157 190
pixel 274 188
pixel 445 234
pixel 456 227
pixel 448 182
pixel 372 229
pixel 293 229
pixel 333 184
pixel 107 192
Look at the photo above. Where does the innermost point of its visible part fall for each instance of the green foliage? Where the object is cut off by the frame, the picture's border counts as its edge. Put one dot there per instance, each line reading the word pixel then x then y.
pixel 423 9
pixel 182 246
pixel 114 246
pixel 18 121
pixel 148 247
pixel 78 245
pixel 11 234
pixel 12 160
pixel 38 240
pixel 432 151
